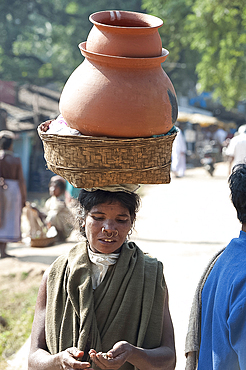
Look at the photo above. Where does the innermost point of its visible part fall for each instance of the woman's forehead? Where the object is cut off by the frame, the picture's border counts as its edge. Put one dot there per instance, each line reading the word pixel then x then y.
pixel 114 206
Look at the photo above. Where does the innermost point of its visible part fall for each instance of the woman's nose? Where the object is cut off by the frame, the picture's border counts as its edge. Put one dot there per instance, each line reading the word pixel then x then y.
pixel 109 225
pixel 110 230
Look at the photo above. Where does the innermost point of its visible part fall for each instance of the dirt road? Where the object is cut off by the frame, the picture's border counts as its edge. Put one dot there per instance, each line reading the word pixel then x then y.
pixel 183 224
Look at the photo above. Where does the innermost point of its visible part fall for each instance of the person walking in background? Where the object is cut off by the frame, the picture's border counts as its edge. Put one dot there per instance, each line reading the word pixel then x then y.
pixel 57 213
pixel 236 150
pixel 219 136
pixel 217 328
pixel 178 166
pixel 12 193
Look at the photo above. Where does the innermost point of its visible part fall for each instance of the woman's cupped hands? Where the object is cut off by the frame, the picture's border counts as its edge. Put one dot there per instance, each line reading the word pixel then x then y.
pixel 114 358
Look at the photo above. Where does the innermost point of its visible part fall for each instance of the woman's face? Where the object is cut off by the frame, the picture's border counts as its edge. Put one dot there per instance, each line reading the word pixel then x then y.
pixel 54 190
pixel 107 226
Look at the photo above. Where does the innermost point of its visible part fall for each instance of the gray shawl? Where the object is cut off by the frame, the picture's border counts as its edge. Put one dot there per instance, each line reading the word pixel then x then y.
pixel 127 305
pixel 193 338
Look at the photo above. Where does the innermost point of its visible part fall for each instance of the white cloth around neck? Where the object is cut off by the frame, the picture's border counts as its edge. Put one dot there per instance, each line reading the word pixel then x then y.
pixel 100 264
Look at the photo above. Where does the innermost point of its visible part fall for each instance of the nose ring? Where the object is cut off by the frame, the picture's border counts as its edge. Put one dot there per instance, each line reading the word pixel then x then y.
pixel 113 233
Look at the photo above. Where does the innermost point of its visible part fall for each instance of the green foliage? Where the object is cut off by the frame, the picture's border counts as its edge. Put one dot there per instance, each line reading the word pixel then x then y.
pixel 39 38
pixel 17 310
pixel 218 30
pixel 181 62
pixel 206 40
pixel 209 37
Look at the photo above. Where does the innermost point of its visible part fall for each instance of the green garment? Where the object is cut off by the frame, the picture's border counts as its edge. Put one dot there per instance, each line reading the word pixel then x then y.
pixel 127 305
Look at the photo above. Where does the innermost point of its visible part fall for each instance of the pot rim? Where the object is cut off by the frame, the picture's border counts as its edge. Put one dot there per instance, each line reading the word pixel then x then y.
pixel 118 61
pixel 148 21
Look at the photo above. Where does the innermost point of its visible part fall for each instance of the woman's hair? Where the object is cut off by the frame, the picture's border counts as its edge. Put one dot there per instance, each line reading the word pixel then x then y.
pixel 237 185
pixel 89 199
pixel 5 142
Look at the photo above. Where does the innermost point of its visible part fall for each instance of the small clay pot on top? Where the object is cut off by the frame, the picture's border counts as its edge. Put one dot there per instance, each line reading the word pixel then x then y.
pixel 125 34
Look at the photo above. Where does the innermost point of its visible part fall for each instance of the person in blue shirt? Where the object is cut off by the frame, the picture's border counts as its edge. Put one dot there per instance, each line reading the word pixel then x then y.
pixel 223 299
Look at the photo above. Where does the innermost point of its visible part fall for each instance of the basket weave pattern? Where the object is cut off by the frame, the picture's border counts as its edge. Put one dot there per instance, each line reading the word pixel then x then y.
pixel 87 161
pixel 42 242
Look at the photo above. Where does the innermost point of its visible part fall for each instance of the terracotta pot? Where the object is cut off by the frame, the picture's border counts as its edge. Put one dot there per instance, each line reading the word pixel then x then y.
pixel 126 34
pixel 119 97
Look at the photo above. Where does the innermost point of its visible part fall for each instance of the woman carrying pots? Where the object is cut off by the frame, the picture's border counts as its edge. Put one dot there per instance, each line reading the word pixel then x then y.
pixel 104 305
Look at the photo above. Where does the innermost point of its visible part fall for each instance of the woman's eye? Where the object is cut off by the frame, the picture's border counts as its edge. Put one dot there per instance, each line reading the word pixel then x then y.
pixel 122 221
pixel 97 218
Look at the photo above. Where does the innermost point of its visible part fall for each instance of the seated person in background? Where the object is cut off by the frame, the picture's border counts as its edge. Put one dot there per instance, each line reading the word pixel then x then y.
pixel 57 213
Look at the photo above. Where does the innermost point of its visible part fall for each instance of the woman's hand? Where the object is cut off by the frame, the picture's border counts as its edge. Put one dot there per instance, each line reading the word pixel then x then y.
pixel 69 359
pixel 39 356
pixel 114 358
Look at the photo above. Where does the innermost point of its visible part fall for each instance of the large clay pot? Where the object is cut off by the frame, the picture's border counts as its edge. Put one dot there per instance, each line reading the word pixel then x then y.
pixel 126 34
pixel 119 97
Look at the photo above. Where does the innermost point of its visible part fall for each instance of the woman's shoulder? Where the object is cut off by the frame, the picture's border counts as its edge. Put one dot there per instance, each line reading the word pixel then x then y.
pixel 58 266
pixel 63 259
pixel 149 259
pixel 152 261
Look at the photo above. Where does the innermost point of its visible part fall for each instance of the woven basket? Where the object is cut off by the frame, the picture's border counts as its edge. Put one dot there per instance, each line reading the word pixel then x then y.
pixel 88 161
pixel 42 242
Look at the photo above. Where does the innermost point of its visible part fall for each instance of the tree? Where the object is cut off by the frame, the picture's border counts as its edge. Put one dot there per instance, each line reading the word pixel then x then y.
pixel 181 62
pixel 39 38
pixel 213 33
pixel 219 34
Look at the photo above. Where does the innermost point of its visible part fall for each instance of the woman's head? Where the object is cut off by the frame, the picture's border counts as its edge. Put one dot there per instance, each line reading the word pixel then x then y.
pixel 6 140
pixel 107 217
pixel 237 184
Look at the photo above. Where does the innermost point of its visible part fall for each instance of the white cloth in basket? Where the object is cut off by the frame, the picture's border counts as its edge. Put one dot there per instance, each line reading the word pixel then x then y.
pixel 60 126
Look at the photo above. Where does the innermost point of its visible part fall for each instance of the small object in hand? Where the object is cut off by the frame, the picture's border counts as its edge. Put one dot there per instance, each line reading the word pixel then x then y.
pixel 106 356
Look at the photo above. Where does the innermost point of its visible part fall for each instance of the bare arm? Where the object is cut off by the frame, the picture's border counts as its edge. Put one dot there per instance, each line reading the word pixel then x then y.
pixel 39 357
pixel 230 160
pixel 161 358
